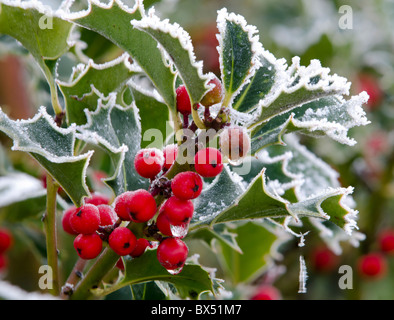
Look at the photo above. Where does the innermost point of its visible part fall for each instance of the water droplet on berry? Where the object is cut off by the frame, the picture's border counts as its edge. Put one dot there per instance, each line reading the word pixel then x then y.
pixel 175 271
pixel 179 231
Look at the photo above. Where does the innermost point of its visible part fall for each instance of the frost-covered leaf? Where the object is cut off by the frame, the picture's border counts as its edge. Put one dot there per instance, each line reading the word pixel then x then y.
pixel 177 44
pixel 53 148
pixel 40 30
pixel 154 115
pixel 116 130
pixel 238 44
pixel 331 116
pixel 112 21
pixel 256 243
pixel 190 283
pixel 298 85
pixel 259 86
pixel 216 197
pixel 105 78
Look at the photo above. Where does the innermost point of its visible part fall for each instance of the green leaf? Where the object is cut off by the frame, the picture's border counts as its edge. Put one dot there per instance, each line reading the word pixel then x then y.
pixel 105 78
pixel 41 32
pixel 190 282
pixel 299 85
pixel 259 86
pixel 116 130
pixel 255 242
pixel 330 116
pixel 177 44
pixel 147 291
pixel 237 44
pixel 154 116
pixel 216 197
pixel 113 22
pixel 53 148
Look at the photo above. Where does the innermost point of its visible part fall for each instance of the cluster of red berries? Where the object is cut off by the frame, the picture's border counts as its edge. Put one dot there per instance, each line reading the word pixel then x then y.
pixel 96 221
pixel 6 241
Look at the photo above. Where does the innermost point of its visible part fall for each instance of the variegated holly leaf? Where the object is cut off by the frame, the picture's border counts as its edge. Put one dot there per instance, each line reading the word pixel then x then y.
pixel 105 78
pixel 40 30
pixel 117 130
pixel 112 21
pixel 53 148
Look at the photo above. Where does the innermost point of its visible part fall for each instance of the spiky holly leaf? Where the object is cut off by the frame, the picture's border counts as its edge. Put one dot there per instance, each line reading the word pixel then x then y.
pixel 116 130
pixel 332 116
pixel 106 78
pixel 238 45
pixel 43 33
pixel 177 44
pixel 53 148
pixel 112 21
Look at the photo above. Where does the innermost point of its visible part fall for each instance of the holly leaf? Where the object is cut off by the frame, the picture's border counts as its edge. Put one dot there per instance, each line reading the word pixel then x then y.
pixel 191 282
pixel 256 242
pixel 112 21
pixel 106 78
pixel 150 110
pixel 53 148
pixel 178 46
pixel 116 130
pixel 332 116
pixel 238 46
pixel 43 33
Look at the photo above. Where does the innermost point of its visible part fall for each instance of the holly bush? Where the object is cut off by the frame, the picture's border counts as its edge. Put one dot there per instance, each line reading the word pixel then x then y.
pixel 119 80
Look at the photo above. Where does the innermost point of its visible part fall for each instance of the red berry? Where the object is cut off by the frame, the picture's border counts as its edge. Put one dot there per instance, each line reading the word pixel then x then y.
pixel 6 240
pixel 370 84
pixel 372 265
pixel 139 206
pixel 234 143
pixel 172 253
pixel 186 185
pixel 215 95
pixel 122 241
pixel 97 199
pixel 66 220
pixel 164 226
pixel 183 104
pixel 208 162
pixel 88 246
pixel 149 162
pixel 324 259
pixel 107 215
pixel 177 210
pixel 266 292
pixel 386 241
pixel 170 153
pixel 86 219
pixel 140 247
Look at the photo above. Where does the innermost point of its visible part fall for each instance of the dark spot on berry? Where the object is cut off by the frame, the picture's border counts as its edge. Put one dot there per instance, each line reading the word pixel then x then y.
pixel 126 245
pixel 132 215
pixel 213 165
pixel 79 213
pixel 79 250
pixel 196 188
pixel 180 264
